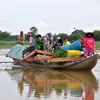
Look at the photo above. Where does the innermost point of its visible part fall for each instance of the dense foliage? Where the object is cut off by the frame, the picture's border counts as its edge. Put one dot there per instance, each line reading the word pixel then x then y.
pixel 60 53
pixel 72 36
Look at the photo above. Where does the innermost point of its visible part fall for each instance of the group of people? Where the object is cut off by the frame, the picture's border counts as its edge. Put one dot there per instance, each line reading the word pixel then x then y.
pixel 48 44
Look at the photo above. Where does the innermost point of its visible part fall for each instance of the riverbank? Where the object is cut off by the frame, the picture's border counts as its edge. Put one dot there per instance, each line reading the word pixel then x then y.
pixel 9 44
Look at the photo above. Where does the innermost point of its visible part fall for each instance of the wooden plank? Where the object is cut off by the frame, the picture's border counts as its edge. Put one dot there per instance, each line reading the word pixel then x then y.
pixel 45 52
pixel 37 51
pixel 29 55
pixel 38 57
pixel 65 59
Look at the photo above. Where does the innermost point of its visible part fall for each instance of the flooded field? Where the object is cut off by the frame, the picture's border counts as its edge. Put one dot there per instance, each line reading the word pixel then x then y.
pixel 43 84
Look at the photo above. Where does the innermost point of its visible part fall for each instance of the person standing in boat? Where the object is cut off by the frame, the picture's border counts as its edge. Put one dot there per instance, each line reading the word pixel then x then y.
pixel 21 38
pixel 88 44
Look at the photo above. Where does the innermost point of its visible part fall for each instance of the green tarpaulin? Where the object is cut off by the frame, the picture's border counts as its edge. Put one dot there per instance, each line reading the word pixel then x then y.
pixel 16 51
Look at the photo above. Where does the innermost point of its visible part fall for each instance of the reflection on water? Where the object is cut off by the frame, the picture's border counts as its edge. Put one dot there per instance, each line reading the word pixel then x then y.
pixel 56 85
pixel 40 84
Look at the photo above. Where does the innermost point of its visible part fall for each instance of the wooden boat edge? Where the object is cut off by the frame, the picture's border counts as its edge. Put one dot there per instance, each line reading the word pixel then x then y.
pixel 86 64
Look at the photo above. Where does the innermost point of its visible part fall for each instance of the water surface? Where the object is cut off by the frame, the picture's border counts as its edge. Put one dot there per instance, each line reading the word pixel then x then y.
pixel 43 84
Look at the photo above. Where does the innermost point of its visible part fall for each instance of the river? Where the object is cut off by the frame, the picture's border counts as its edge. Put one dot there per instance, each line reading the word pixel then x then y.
pixel 43 84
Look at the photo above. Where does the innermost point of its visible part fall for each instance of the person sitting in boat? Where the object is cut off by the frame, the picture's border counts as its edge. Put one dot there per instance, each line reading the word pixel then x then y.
pixel 88 44
pixel 39 42
pixel 51 45
pixel 21 38
pixel 66 42
pixel 46 42
pixel 58 43
pixel 31 44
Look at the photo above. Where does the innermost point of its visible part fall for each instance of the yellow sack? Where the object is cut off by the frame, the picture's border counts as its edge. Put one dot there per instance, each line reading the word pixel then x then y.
pixel 73 53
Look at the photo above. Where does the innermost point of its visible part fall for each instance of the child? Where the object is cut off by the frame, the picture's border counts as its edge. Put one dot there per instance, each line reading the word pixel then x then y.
pixel 66 42
pixel 89 44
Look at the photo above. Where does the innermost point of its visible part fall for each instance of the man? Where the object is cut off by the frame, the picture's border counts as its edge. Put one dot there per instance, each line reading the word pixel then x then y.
pixel 39 42
pixel 31 44
pixel 31 41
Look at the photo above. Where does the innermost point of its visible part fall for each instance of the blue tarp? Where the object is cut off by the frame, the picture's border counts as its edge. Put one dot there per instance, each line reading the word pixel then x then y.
pixel 73 46
pixel 16 51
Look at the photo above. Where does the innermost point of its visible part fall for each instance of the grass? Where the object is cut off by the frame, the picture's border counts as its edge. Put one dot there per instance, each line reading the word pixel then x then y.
pixel 97 45
pixel 9 44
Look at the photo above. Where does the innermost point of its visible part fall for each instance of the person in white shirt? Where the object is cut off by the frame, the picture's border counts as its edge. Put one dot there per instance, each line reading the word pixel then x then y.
pixel 31 41
pixel 31 44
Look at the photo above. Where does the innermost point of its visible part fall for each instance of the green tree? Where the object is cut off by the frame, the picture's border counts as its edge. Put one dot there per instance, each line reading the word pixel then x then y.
pixel 97 35
pixel 33 30
pixel 4 35
pixel 76 34
pixel 49 34
pixel 62 35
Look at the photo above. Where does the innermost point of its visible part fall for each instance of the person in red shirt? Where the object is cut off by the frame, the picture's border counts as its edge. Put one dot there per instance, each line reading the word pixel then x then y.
pixel 88 44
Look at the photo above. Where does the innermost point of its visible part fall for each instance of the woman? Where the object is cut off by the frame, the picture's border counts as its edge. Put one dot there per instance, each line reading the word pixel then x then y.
pixel 88 44
pixel 21 38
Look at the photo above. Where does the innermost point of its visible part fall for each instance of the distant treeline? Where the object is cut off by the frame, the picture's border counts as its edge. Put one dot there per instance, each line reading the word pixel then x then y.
pixel 4 35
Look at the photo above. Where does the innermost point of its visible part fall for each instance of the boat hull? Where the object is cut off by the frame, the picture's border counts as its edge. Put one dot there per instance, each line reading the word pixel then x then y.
pixel 86 64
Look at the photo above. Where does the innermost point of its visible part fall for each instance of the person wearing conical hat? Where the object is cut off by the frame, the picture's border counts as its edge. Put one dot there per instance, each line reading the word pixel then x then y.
pixel 89 44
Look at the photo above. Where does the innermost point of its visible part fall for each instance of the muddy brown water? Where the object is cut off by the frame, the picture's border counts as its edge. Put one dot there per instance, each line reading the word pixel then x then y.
pixel 43 84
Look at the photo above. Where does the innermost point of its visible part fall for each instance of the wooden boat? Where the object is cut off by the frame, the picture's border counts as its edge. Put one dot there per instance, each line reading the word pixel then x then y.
pixel 74 63
pixel 86 64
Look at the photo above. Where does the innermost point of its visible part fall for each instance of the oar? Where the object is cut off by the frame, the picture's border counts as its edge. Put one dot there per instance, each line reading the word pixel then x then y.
pixel 85 40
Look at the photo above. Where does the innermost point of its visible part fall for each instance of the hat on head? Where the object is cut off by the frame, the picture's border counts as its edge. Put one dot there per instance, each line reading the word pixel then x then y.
pixel 29 34
pixel 58 38
pixel 21 32
pixel 89 34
